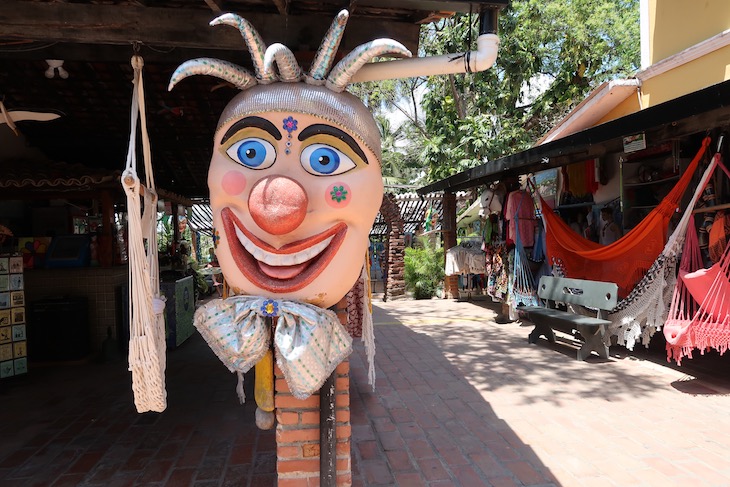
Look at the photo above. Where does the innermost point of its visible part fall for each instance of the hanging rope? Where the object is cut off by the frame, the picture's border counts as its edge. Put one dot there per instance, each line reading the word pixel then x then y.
pixel 147 324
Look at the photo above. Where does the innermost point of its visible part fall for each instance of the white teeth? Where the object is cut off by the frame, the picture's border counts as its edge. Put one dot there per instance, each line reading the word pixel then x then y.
pixel 282 259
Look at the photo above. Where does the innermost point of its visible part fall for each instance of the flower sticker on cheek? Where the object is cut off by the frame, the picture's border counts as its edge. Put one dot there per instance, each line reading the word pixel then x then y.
pixel 338 195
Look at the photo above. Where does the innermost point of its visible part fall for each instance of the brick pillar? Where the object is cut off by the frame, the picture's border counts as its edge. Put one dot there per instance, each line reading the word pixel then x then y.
pixel 448 227
pixel 395 283
pixel 297 428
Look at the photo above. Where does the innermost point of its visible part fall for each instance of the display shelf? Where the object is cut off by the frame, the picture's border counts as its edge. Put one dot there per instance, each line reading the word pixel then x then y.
pixel 646 178
pixel 575 205
pixel 650 183
pixel 13 334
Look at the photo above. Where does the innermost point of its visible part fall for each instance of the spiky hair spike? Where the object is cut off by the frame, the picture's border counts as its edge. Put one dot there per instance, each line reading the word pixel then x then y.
pixel 218 68
pixel 344 70
pixel 253 41
pixel 289 70
pixel 327 50
pixel 266 61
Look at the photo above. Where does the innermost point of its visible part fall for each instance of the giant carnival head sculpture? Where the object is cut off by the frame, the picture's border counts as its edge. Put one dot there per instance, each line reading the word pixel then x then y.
pixel 295 186
pixel 294 180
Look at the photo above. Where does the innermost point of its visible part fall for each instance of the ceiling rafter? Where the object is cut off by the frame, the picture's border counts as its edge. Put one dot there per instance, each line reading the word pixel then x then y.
pixel 176 27
pixel 215 5
pixel 282 6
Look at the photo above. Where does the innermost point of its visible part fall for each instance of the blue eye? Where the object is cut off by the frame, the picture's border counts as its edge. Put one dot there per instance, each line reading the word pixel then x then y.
pixel 324 160
pixel 252 152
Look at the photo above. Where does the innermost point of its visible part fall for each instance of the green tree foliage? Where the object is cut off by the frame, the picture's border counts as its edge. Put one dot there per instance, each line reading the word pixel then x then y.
pixel 557 49
pixel 424 268
pixel 400 158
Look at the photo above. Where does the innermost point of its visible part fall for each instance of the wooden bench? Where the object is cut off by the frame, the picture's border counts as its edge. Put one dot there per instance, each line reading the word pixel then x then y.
pixel 592 294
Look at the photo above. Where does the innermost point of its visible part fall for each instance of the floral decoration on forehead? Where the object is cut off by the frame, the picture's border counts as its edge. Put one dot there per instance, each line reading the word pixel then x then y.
pixel 277 63
pixel 290 125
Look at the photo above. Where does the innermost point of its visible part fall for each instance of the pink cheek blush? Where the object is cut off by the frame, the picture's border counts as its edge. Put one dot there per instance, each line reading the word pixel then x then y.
pixel 338 195
pixel 233 183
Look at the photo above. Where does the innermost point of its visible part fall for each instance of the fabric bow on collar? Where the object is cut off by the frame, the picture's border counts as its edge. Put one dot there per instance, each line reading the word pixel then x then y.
pixel 309 341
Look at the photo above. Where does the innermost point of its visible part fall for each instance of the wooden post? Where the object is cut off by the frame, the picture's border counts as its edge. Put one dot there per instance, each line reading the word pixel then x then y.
pixel 448 226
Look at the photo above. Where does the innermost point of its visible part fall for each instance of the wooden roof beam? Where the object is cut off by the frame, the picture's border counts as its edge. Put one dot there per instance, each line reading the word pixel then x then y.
pixel 215 5
pixel 178 27
pixel 282 6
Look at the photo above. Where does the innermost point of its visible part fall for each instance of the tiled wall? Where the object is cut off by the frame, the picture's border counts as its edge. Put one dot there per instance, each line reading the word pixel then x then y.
pixel 97 284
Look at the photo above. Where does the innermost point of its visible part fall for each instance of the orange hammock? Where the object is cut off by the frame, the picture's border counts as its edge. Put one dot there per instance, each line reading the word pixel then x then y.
pixel 627 260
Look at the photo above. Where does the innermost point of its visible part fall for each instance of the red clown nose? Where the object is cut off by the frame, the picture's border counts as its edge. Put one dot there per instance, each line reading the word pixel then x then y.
pixel 278 204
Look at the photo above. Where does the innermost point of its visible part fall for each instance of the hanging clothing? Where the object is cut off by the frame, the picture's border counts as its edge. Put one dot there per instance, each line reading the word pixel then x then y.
pixel 465 260
pixel 580 179
pixel 520 208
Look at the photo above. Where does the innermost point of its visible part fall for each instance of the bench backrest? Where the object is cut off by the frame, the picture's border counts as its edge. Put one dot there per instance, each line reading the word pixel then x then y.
pixel 593 294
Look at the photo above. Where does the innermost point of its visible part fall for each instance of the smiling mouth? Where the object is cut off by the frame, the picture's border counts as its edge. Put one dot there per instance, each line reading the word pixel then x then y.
pixel 286 269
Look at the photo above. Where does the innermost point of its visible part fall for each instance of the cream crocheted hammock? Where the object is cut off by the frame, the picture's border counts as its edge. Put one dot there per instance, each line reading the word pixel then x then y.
pixel 147 324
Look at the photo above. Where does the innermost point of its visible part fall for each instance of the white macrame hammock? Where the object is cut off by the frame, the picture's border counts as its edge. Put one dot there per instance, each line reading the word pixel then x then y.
pixel 646 308
pixel 147 324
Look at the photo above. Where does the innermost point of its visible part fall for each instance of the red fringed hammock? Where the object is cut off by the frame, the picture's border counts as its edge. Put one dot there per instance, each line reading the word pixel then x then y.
pixel 627 260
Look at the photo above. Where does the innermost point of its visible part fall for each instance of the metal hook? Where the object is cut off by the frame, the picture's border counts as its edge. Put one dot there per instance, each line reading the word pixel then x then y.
pixel 136 46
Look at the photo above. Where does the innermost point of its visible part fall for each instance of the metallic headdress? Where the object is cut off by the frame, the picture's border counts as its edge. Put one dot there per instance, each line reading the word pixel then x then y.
pixel 277 57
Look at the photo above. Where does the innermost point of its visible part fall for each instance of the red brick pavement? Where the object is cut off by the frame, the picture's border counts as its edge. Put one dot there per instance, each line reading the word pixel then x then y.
pixel 463 400
pixel 460 400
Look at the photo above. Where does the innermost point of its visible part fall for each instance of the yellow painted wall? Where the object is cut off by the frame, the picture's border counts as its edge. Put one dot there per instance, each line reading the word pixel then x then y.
pixel 709 70
pixel 627 107
pixel 675 25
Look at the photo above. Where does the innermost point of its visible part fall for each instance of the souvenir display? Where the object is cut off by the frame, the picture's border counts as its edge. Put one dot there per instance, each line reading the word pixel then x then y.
pixel 13 349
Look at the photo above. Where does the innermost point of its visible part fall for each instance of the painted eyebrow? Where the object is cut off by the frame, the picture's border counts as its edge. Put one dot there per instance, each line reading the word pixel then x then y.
pixel 319 128
pixel 258 122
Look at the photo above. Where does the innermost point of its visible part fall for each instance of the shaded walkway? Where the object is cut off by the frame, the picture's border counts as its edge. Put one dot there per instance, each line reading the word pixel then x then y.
pixel 470 402
pixel 461 400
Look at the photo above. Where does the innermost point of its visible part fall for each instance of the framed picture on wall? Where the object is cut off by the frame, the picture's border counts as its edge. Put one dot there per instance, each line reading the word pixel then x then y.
pixel 4 282
pixel 16 282
pixel 6 352
pixel 16 265
pixel 17 315
pixel 20 349
pixel 4 265
pixel 21 365
pixel 4 300
pixel 6 369
pixel 17 298
pixel 4 317
pixel 547 185
pixel 18 333
pixel 6 334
